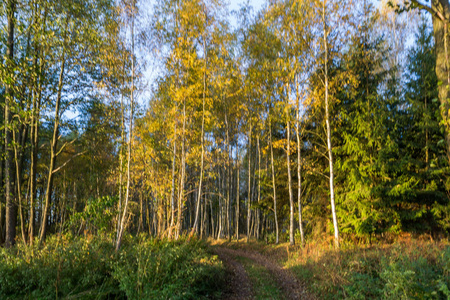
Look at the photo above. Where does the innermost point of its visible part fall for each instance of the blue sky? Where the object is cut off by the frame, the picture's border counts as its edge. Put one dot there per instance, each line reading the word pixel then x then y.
pixel 257 4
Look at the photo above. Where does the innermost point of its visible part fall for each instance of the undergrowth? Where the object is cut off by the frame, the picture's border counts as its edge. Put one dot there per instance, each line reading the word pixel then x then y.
pixel 405 269
pixel 89 268
pixel 264 285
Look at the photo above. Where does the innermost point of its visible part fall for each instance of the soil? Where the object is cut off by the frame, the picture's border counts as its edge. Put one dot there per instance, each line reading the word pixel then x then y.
pixel 239 285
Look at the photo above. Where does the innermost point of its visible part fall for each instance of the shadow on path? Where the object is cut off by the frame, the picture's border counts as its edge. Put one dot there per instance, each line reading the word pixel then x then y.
pixel 239 284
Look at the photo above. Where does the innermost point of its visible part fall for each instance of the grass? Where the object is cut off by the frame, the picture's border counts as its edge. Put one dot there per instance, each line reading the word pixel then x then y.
pixel 278 253
pixel 89 268
pixel 400 268
pixel 146 268
pixel 406 269
pixel 264 285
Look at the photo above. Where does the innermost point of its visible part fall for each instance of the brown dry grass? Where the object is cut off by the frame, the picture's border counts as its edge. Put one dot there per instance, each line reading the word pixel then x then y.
pixel 327 271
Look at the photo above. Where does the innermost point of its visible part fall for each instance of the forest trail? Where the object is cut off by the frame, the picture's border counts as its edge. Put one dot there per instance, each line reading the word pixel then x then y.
pixel 239 285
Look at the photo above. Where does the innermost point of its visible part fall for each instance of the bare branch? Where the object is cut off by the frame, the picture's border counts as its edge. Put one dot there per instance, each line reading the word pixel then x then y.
pixel 65 144
pixel 431 10
pixel 67 161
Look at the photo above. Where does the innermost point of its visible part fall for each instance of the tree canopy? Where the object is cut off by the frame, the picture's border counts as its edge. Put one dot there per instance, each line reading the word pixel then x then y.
pixel 302 120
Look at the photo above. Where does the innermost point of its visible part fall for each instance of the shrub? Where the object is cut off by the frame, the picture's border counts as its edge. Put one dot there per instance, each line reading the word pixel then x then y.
pixel 411 269
pixel 163 269
pixel 89 268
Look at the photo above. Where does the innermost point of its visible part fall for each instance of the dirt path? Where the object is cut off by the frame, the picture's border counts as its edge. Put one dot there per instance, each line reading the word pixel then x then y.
pixel 238 284
pixel 290 286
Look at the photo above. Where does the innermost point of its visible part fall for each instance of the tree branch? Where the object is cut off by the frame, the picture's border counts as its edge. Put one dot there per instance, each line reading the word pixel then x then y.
pixel 429 9
pixel 67 161
pixel 65 144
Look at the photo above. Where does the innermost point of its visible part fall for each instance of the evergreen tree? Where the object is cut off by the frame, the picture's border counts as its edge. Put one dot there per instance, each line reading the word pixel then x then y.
pixel 420 188
pixel 366 146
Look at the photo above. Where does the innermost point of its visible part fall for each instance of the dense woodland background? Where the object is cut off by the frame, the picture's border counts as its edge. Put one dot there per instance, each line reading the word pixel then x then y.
pixel 304 120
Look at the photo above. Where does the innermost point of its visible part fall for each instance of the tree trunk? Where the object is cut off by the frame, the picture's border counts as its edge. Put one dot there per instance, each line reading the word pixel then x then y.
pixel 258 212
pixel 2 191
pixel 2 168
pixel 172 192
pixel 141 210
pixel 441 39
pixel 202 216
pixel 182 180
pixel 212 218
pixel 228 181
pixel 273 184
pixel 11 207
pixel 249 198
pixel 199 195
pixel 53 154
pixel 19 186
pixel 237 195
pixel 299 168
pixel 219 219
pixel 34 152
pixel 254 195
pixel 130 138
pixel 327 120
pixel 122 142
pixel 291 196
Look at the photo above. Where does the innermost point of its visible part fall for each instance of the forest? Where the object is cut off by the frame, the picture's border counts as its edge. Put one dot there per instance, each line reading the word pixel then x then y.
pixel 142 142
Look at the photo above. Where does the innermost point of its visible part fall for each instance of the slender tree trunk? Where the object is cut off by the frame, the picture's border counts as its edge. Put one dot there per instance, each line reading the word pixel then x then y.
pixel 1 196
pixel 183 175
pixel 237 194
pixel 37 100
pixel 2 168
pixel 204 229
pixel 130 139
pixel 53 154
pixel 33 160
pixel 2 187
pixel 227 176
pixel 254 195
pixel 273 185
pixel 249 198
pixel 258 212
pixel 299 168
pixel 19 157
pixel 11 208
pixel 212 218
pixel 291 196
pixel 63 204
pixel 327 120
pixel 219 220
pixel 150 220
pixel 222 198
pixel 141 211
pixel 122 142
pixel 172 193
pixel 199 195
pixel 230 196
pixel 19 140
pixel 19 188
pixel 202 215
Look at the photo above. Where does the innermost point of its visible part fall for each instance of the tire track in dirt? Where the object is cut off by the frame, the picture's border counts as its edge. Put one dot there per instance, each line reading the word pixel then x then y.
pixel 238 283
pixel 291 287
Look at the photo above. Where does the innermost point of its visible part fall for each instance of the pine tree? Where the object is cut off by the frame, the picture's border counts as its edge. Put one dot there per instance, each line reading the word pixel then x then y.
pixel 365 144
pixel 420 188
